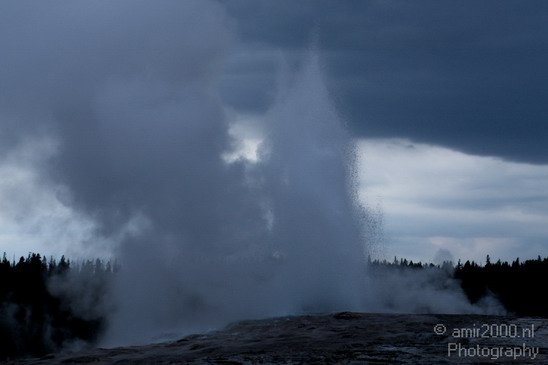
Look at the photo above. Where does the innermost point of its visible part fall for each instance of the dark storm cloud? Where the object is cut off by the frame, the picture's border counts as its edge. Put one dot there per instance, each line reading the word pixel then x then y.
pixel 465 74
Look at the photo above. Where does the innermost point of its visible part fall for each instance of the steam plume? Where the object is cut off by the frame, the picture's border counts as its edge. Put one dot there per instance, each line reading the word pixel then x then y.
pixel 247 240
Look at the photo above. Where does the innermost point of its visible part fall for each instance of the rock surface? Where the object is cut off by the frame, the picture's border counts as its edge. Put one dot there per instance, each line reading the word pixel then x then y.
pixel 342 338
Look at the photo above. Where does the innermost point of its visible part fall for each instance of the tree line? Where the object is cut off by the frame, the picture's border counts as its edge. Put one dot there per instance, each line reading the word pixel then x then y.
pixel 39 311
pixel 519 286
pixel 47 305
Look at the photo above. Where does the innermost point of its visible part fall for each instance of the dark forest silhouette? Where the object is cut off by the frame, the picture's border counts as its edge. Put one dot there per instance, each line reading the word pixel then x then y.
pixel 39 313
pixel 519 286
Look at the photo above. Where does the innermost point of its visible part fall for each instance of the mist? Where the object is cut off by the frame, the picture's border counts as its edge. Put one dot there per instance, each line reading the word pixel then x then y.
pixel 130 100
pixel 249 239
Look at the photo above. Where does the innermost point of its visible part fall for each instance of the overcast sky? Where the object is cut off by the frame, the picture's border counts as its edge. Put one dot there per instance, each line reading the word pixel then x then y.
pixel 447 102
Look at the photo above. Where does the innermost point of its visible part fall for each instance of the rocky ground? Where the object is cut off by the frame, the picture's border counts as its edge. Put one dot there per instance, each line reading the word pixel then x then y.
pixel 342 338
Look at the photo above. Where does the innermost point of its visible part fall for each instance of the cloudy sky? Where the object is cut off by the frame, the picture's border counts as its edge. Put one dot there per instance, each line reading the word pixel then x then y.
pixel 447 102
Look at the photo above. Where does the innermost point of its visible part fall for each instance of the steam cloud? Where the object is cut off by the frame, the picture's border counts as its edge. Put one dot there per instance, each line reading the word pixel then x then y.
pixel 129 93
pixel 131 98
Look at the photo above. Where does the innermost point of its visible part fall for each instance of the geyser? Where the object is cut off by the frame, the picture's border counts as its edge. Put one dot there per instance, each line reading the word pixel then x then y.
pixel 234 240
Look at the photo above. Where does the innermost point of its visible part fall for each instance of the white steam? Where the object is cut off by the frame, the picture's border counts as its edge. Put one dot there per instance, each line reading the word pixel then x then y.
pixel 280 236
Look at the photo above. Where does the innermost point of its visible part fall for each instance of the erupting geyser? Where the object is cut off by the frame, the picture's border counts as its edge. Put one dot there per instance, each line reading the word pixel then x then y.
pixel 233 240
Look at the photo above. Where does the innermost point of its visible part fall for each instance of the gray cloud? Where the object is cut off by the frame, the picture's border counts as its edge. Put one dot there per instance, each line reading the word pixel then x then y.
pixel 83 72
pixel 127 92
